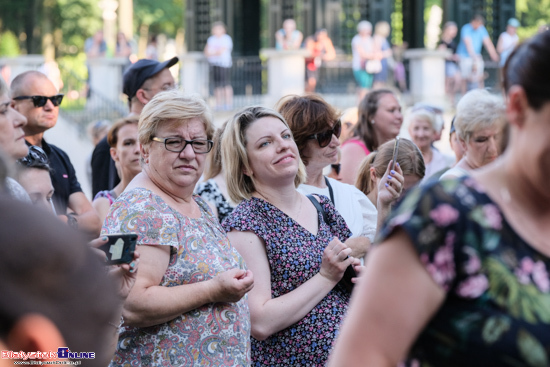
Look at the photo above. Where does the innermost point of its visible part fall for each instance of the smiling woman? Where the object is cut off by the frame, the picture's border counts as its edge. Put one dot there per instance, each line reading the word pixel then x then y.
pixel 297 258
pixel 190 276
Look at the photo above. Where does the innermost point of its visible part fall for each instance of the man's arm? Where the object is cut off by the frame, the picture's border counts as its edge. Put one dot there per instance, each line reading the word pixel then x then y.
pixel 490 48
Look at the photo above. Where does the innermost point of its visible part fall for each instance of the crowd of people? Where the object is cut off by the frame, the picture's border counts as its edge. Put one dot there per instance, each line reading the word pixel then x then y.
pixel 289 236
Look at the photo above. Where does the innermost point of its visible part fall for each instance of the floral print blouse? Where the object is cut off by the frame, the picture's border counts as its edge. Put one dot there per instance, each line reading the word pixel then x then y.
pixel 215 334
pixel 294 256
pixel 497 306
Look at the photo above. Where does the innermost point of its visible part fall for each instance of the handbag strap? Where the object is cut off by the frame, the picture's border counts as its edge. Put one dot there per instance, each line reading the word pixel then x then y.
pixel 327 182
pixel 319 208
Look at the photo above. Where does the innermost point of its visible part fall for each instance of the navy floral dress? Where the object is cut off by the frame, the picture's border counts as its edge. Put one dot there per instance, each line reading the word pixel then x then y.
pixel 210 191
pixel 497 307
pixel 294 256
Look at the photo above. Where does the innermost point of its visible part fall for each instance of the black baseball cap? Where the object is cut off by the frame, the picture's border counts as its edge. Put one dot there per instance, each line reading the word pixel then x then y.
pixel 140 71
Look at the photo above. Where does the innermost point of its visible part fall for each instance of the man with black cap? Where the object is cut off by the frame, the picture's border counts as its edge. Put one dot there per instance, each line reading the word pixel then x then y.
pixel 141 82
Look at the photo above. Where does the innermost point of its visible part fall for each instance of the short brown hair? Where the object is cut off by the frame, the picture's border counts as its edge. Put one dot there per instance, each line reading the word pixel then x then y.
pixel 306 116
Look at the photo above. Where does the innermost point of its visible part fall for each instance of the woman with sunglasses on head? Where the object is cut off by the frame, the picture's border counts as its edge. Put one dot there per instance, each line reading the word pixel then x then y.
pixel 189 305
pixel 123 140
pixel 316 128
pixel 297 256
pixel 380 120
pixel 465 262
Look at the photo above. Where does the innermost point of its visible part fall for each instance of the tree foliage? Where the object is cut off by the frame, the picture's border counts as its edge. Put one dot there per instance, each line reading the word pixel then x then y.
pixel 159 16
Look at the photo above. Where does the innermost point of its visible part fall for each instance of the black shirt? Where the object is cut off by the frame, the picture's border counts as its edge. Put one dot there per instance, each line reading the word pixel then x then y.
pixel 104 174
pixel 63 176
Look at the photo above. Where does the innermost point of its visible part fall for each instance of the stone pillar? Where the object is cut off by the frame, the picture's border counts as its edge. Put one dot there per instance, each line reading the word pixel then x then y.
pixel 194 73
pixel 106 79
pixel 17 65
pixel 427 75
pixel 286 73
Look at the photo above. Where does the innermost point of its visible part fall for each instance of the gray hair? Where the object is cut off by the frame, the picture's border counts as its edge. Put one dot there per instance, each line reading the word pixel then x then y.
pixel 364 25
pixel 478 109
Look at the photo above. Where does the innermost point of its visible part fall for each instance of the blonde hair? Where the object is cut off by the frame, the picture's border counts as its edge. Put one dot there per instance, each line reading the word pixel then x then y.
pixel 409 158
pixel 172 105
pixel 382 28
pixel 478 109
pixel 214 159
pixel 235 157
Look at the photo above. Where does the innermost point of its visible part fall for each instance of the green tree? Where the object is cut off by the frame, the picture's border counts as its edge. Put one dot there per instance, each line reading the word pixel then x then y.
pixel 532 14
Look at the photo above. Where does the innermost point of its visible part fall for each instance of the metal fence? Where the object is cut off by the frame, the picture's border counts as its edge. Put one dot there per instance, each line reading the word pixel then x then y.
pixel 83 105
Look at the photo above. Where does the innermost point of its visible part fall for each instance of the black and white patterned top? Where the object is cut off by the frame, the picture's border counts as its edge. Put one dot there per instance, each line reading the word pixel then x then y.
pixel 209 191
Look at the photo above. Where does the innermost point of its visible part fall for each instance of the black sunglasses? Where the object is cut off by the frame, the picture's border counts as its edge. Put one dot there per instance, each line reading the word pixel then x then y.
pixel 40 101
pixel 36 158
pixel 324 138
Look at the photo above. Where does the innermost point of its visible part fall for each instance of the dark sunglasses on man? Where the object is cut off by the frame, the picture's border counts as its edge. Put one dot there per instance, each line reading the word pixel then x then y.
pixel 40 101
pixel 324 138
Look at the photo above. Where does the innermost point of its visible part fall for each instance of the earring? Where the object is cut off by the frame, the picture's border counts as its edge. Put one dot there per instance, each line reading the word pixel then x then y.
pixel 372 121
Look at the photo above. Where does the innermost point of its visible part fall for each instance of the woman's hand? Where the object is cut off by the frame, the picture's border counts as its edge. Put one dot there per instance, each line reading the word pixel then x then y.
pixel 124 275
pixel 335 260
pixel 232 285
pixel 390 186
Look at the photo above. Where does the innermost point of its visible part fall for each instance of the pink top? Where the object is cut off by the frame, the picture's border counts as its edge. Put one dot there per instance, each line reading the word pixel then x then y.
pixel 358 142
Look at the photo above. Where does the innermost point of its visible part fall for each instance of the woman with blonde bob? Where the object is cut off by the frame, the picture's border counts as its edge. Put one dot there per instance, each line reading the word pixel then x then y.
pixel 375 171
pixel 190 276
pixel 480 124
pixel 297 258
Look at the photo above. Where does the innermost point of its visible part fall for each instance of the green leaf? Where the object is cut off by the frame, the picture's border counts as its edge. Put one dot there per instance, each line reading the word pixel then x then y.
pixel 531 349
pixel 494 328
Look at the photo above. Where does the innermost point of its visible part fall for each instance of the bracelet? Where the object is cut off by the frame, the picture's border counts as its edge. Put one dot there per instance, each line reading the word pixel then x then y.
pixel 119 325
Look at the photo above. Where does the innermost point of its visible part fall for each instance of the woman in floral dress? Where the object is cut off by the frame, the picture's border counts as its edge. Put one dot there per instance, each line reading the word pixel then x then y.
pixel 461 276
pixel 297 258
pixel 188 306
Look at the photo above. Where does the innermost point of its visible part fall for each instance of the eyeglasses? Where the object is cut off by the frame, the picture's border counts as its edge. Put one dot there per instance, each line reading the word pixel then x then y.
pixel 36 158
pixel 40 101
pixel 177 145
pixel 324 138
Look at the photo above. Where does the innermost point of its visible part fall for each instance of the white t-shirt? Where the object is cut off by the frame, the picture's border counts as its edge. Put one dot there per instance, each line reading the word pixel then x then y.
pixel 438 162
pixel 362 43
pixel 455 172
pixel 217 43
pixel 508 43
pixel 355 207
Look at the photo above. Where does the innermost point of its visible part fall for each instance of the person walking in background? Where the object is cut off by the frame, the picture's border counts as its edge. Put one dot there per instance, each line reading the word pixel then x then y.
pixel 382 46
pixel 218 52
pixel 473 36
pixel 452 72
pixel 362 48
pixel 288 37
pixel 94 47
pixel 508 40
pixel 320 49
pixel 151 52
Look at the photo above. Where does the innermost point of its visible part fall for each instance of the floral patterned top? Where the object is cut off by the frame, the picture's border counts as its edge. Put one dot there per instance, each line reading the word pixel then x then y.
pixel 209 191
pixel 294 256
pixel 497 308
pixel 216 334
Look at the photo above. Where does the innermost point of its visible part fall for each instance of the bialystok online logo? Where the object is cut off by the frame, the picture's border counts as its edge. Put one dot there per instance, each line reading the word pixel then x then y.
pixel 62 353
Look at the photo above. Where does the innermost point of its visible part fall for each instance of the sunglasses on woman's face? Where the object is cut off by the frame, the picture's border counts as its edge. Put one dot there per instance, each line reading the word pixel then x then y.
pixel 324 138
pixel 40 101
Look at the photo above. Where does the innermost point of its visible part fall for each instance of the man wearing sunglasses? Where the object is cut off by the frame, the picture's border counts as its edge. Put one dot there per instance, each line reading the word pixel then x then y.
pixel 141 82
pixel 35 97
